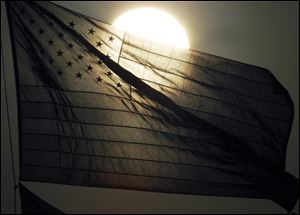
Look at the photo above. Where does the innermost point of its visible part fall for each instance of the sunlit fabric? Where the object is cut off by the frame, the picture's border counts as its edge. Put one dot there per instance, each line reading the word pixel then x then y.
pixel 100 108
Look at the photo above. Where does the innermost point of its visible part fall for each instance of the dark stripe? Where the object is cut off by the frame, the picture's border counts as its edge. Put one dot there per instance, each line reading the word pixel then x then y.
pixel 134 127
pixel 112 125
pixel 107 109
pixel 131 142
pixel 145 160
pixel 140 175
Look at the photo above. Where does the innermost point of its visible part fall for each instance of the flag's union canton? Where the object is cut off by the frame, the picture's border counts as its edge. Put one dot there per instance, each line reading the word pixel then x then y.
pixel 98 107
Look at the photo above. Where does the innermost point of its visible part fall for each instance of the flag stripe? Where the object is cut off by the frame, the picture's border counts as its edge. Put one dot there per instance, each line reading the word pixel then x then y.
pixel 228 90
pixel 89 107
pixel 50 120
pixel 35 168
pixel 116 125
pixel 139 159
pixel 214 114
pixel 141 175
pixel 128 43
pixel 192 149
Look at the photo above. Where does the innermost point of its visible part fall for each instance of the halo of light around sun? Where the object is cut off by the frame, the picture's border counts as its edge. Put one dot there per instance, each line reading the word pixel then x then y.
pixel 155 25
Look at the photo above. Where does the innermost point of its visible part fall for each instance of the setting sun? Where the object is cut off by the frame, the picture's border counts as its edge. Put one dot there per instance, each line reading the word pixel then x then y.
pixel 155 25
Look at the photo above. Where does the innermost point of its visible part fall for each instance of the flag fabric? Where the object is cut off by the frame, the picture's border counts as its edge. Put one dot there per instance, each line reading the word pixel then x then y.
pixel 32 204
pixel 100 107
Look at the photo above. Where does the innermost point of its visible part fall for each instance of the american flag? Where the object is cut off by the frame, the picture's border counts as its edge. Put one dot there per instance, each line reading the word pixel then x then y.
pixel 100 107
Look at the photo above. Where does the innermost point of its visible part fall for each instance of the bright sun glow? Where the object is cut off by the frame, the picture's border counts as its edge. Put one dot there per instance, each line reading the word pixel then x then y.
pixel 155 25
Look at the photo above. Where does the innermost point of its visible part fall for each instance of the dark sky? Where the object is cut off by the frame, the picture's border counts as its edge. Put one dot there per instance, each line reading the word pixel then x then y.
pixel 265 34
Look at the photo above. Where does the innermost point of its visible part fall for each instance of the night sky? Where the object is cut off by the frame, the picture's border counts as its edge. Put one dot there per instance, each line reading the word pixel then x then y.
pixel 265 34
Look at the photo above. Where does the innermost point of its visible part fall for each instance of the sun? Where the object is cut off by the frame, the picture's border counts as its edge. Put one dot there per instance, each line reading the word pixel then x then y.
pixel 155 25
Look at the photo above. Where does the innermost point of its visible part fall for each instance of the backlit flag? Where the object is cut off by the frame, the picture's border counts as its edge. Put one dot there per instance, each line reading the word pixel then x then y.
pixel 99 107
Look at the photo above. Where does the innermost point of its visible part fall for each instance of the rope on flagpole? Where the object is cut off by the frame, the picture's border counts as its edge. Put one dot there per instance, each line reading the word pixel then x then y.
pixel 119 61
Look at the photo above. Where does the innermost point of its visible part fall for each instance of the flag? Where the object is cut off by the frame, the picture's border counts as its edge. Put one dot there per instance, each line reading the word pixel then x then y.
pixel 32 204
pixel 100 107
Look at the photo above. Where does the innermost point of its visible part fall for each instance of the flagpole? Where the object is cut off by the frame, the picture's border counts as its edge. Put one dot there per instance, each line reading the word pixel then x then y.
pixel 11 105
pixel 9 131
